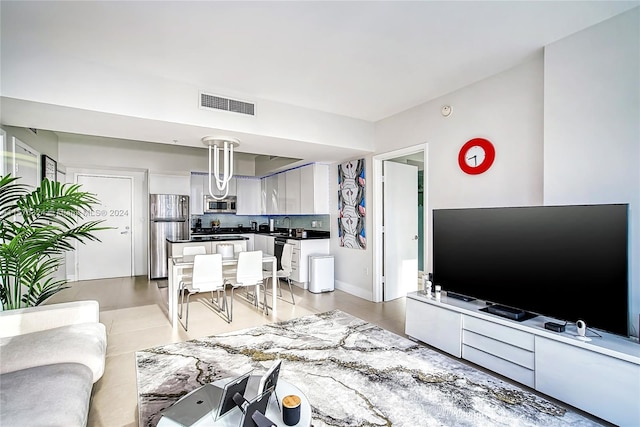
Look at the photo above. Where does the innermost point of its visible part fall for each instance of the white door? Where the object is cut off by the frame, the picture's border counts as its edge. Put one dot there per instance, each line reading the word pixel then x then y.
pixel 112 256
pixel 400 229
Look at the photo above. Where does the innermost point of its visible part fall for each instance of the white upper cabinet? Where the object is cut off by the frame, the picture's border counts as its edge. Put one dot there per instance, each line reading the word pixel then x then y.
pixel 249 196
pixel 232 186
pixel 272 198
pixel 297 191
pixel 263 196
pixel 292 192
pixel 314 189
pixel 200 188
pixel 282 194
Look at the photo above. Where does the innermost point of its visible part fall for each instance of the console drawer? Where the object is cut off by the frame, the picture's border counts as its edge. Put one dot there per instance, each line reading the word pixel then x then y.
pixel 508 352
pixel 505 334
pixel 508 369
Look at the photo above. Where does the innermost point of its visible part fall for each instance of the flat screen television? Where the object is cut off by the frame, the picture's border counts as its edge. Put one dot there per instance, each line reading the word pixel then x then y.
pixel 564 262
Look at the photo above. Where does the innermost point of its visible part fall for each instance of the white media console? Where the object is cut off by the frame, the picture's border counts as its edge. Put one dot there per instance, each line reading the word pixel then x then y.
pixel 601 376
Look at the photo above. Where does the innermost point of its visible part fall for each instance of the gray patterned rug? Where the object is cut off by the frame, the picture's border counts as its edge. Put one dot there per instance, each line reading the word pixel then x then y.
pixel 353 373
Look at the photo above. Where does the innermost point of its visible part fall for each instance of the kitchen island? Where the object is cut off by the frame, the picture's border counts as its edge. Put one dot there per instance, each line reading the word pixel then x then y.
pixel 208 238
pixel 197 233
pixel 175 247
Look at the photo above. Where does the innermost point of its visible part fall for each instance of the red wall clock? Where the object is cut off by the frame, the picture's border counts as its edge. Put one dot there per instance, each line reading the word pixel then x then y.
pixel 476 156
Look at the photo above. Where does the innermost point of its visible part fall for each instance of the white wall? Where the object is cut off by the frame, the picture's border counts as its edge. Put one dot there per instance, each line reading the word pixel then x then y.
pixel 82 151
pixel 507 110
pixel 592 126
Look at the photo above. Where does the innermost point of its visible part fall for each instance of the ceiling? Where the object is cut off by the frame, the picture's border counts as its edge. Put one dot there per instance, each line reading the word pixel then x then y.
pixel 362 60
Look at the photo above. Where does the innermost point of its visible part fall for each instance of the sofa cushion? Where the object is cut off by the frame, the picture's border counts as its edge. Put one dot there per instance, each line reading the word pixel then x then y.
pixel 84 343
pixel 49 395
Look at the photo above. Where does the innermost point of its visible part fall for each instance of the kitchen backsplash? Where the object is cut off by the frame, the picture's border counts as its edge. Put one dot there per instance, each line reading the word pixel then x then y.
pixel 307 222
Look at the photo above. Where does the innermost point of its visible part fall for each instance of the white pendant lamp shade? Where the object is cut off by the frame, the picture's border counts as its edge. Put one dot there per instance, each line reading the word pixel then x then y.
pixel 215 144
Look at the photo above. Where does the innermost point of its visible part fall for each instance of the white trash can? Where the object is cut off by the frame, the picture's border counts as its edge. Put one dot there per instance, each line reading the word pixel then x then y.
pixel 321 273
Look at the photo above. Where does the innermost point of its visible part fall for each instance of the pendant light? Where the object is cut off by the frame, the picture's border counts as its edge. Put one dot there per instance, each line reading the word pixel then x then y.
pixel 227 145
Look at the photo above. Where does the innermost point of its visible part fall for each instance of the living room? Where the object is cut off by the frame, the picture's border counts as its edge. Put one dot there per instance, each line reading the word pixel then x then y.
pixel 564 122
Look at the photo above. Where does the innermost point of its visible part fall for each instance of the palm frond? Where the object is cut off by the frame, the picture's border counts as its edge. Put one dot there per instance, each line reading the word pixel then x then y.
pixel 37 228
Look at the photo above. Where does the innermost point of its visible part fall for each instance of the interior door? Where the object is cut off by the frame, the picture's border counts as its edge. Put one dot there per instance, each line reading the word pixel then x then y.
pixel 400 229
pixel 113 255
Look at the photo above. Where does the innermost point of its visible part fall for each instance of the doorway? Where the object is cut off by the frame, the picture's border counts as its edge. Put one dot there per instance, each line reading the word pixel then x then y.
pixel 417 155
pixel 113 255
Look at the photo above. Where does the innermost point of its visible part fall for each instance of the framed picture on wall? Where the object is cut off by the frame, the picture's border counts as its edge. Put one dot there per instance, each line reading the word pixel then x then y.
pixel 49 167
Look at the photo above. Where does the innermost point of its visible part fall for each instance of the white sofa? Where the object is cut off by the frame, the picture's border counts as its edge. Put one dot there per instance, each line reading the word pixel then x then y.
pixel 50 357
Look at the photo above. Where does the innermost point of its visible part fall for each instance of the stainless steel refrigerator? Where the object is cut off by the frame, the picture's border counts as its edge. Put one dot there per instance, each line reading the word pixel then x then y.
pixel 169 219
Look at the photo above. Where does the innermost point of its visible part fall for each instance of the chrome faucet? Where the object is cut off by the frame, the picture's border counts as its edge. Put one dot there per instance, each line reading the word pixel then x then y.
pixel 289 224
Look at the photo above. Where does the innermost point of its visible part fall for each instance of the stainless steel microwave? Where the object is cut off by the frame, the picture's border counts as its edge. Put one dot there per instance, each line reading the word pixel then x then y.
pixel 226 205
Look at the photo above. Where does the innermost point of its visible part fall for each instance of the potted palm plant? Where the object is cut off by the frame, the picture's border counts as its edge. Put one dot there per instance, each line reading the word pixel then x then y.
pixel 37 228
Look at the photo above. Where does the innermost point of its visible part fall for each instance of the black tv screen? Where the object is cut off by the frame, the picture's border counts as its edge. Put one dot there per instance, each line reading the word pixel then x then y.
pixel 564 262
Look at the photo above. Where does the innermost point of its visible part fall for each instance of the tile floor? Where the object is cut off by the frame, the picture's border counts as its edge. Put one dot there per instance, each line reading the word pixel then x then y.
pixel 133 310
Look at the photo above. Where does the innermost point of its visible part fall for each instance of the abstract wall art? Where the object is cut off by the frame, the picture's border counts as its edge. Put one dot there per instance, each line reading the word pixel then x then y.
pixel 351 206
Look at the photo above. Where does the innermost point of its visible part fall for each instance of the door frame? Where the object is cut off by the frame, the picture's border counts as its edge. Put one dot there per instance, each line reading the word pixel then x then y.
pixel 131 203
pixel 378 213
pixel 4 158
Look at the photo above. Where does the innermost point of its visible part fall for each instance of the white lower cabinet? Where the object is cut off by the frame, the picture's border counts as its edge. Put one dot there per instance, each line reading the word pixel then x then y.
pixel 438 328
pixel 300 260
pixel 263 243
pixel 601 377
pixel 599 384
pixel 250 241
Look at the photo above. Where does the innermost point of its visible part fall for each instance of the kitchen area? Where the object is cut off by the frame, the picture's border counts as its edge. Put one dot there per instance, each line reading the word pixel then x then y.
pixel 256 214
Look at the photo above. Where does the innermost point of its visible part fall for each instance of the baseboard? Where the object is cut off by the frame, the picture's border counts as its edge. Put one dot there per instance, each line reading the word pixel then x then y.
pixel 354 290
pixel 302 285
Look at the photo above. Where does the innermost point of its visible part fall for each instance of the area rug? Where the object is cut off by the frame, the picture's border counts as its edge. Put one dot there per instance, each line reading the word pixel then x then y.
pixel 353 373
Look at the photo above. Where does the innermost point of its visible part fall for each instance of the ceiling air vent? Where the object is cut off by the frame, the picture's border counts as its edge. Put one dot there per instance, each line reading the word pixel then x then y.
pixel 213 102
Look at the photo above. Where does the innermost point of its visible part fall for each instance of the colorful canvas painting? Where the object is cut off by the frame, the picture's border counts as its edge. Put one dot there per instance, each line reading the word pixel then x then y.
pixel 351 207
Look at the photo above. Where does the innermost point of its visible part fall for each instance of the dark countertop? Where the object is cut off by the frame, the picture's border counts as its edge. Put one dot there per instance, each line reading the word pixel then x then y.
pixel 199 235
pixel 209 238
